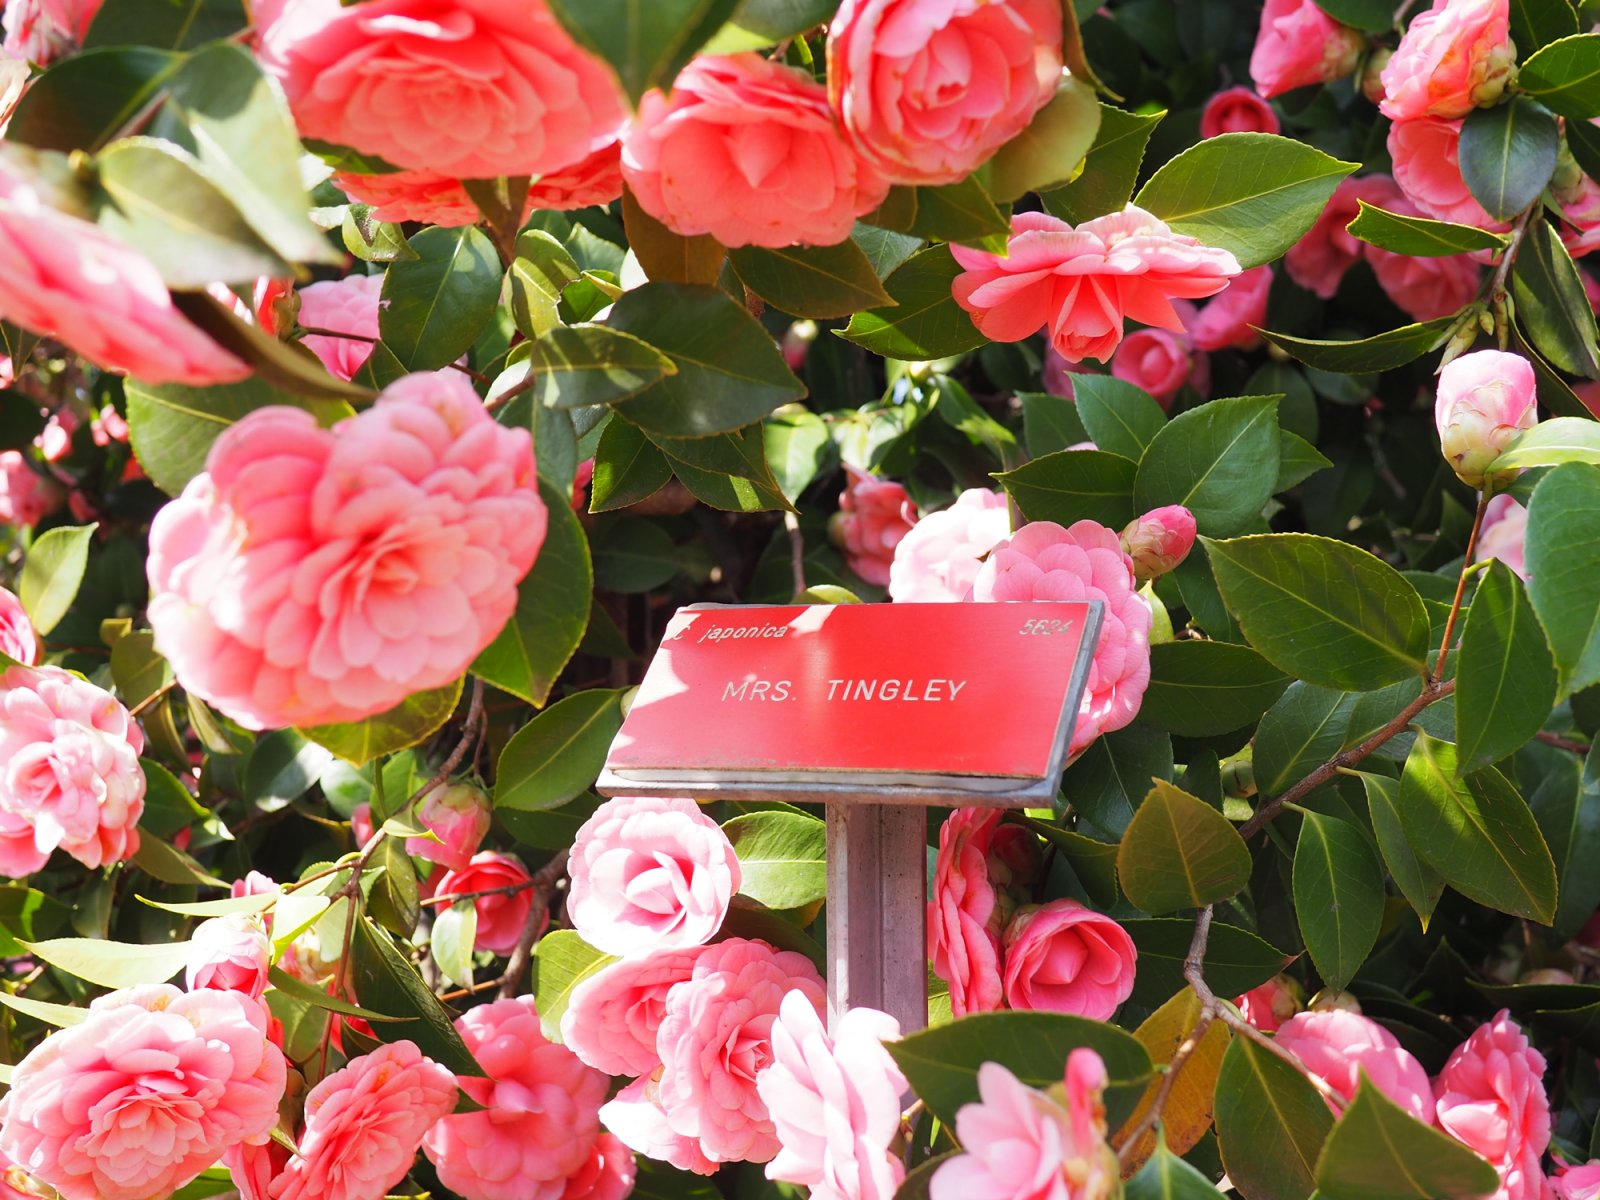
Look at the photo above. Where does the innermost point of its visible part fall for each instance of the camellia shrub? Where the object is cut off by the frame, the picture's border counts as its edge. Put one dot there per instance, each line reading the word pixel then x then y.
pixel 379 378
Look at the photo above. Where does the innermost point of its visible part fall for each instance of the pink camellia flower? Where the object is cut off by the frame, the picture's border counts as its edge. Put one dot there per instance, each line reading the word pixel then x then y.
pixel 26 495
pixel 17 1184
pixel 874 517
pixel 1319 260
pixel 1058 373
pixel 231 954
pixel 938 558
pixel 1084 283
pixel 715 1039
pixel 143 1095
pixel 348 305
pixel 1579 199
pixel 650 874
pixel 1066 958
pixel 1451 59
pixel 1427 166
pixel 1237 110
pixel 965 913
pixel 273 305
pixel 1022 1145
pixel 69 771
pixel 541 1113
pixel 475 89
pixel 15 75
pixel 835 1099
pixel 364 1123
pixel 927 90
pixel 501 917
pixel 1425 288
pixel 613 1016
pixel 68 279
pixel 1267 1007
pixel 1155 360
pixel 1158 541
pixel 1226 321
pixel 1298 44
pixel 361 827
pixel 1491 1098
pixel 746 150
pixel 1504 534
pixel 41 31
pixel 18 641
pixel 311 576
pixel 1577 1183
pixel 458 815
pixel 1485 399
pixel 607 1174
pixel 1043 561
pixel 1336 1046
pixel 55 440
pixel 596 179
pixel 635 1115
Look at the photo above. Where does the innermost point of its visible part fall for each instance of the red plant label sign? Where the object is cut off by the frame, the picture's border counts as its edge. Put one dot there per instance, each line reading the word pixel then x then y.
pixel 955 697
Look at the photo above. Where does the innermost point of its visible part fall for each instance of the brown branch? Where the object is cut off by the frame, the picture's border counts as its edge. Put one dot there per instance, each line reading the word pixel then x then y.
pixel 545 881
pixel 1561 743
pixel 152 698
pixel 510 889
pixel 1461 585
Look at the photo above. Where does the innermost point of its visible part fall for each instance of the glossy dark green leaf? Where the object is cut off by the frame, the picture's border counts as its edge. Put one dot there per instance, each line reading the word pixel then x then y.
pixel 1565 76
pixel 758 23
pixel 1218 461
pixel 1110 170
pixel 1566 804
pixel 1552 308
pixel 646 43
pixel 961 212
pixel 1045 154
pixel 1109 780
pixel 1505 676
pixel 1050 423
pixel 1383 352
pixel 1563 558
pixel 414 720
pixel 1419 883
pixel 86 100
pixel 1338 896
pixel 557 756
pixel 386 982
pixel 1165 1176
pixel 435 306
pixel 796 444
pixel 1536 23
pixel 1508 154
pixel 1178 852
pixel 1300 732
pixel 631 557
pixel 1298 460
pixel 729 471
pixel 1118 417
pixel 1373 16
pixel 1200 688
pixel 393 898
pixel 590 364
pixel 1271 1124
pixel 1378 1151
pixel 627 468
pixel 1236 959
pixel 282 766
pixel 166 24
pixel 925 322
pixel 539 275
pixel 1419 237
pixel 1583 139
pixel 820 282
pixel 1074 485
pixel 669 257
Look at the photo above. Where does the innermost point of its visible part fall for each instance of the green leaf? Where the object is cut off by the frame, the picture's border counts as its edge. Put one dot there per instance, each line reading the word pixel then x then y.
pixel 1219 461
pixel 1566 804
pixel 561 961
pixel 1419 237
pixel 53 572
pixel 1049 423
pixel 1200 688
pixel 1110 779
pixel 1373 16
pixel 321 998
pixel 646 44
pixel 1551 443
pixel 758 23
pixel 62 1016
pixel 1110 170
pixel 730 371
pixel 1419 883
pixel 539 274
pixel 1565 76
pixel 278 364
pixel 1583 139
pixel 591 364
pixel 552 610
pixel 634 556
pixel 669 257
pixel 386 981
pixel 84 101
pixel 1165 1176
pixel 1236 959
pixel 1322 610
pixel 167 863
pixel 1563 559
pixel 961 212
pixel 1301 731
pixel 1271 1124
pixel 1508 154
pixel 112 964
pixel 925 322
pixel 1338 896
pixel 1093 862
pixel 1254 194
pixel 627 468
pixel 415 719
pixel 1046 153
pixel 796 445
pixel 136 669
pixel 434 307
pixel 455 930
pixel 393 897
pixel 728 471
pixel 1552 308
pixel 1074 485
pixel 282 766
pixel 783 857
pixel 1536 23
pixel 1383 352
pixel 557 756
pixel 1476 832
pixel 1298 460
pixel 1118 417
pixel 1378 1151
pixel 1179 852
pixel 1505 676
pixel 168 24
pixel 821 282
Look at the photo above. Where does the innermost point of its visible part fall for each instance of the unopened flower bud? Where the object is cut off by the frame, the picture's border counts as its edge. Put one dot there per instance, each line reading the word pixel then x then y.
pixel 1372 76
pixel 229 954
pixel 1159 540
pixel 1328 1000
pixel 1485 400
pixel 458 815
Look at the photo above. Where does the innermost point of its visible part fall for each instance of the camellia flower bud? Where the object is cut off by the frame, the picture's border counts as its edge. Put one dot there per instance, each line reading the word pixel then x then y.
pixel 1158 541
pixel 458 816
pixel 1484 401
pixel 231 954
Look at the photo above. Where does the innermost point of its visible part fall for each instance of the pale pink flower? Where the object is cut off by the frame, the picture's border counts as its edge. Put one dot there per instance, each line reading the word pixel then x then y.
pixel 746 150
pixel 607 1174
pixel 312 576
pixel 1158 541
pixel 18 641
pixel 1504 535
pixel 15 75
pixel 1156 361
pixel 348 305
pixel 1237 110
pixel 650 874
pixel 1226 321
pixel 1577 1183
pixel 874 516
pixel 613 1015
pixel 458 815
pixel 715 1039
pixel 635 1115
pixel 1267 1007
pixel 501 917
pixel 69 771
pixel 1485 399
pixel 143 1095
pixel 1491 1098
pixel 1084 283
pixel 1043 561
pixel 1580 213
pixel 474 89
pixel 231 954
pixel 1424 287
pixel 1427 166
pixel 835 1099
pixel 927 90
pixel 1066 958
pixel 1298 44
pixel 68 279
pixel 939 557
pixel 43 30
pixel 1022 1145
pixel 1451 59
pixel 1336 1046
pixel 541 1111
pixel 1327 250
pixel 967 911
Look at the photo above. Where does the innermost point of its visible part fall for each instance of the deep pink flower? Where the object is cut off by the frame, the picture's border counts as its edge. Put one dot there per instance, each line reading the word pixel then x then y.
pixel 1226 320
pixel 1158 541
pixel 1043 561
pixel 1237 110
pixel 607 1174
pixel 143 1095
pixel 1298 44
pixel 1336 1046
pixel 1451 59
pixel 541 1111
pixel 26 495
pixel 967 911
pixel 745 149
pixel 650 874
pixel 1156 361
pixel 231 954
pixel 1084 283
pixel 939 556
pixel 348 305
pixel 501 917
pixel 835 1099
pixel 1577 1183
pixel 1427 166
pixel 1066 958
pixel 458 815
pixel 1580 212
pixel 1267 1007
pixel 312 576
pixel 1504 534
pixel 1490 1097
pixel 1320 258
pixel 927 90
pixel 1485 400
pixel 874 516
pixel 613 1015
pixel 18 641
pixel 635 1115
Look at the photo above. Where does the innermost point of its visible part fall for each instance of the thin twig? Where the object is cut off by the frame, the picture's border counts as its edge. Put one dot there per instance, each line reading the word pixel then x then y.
pixel 797 551
pixel 152 698
pixel 510 889
pixel 545 881
pixel 1561 743
pixel 1461 585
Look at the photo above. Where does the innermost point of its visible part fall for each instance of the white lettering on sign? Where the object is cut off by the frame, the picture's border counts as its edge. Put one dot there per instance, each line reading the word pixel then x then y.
pixel 720 633
pixel 895 689
pixel 758 689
